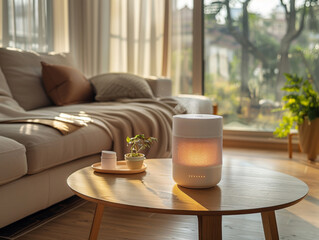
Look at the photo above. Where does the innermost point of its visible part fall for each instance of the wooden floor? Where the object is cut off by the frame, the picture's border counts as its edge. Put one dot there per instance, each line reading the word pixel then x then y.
pixel 299 222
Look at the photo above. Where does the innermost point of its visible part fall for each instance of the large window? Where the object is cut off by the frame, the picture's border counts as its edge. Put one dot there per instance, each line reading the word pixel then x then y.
pixel 249 45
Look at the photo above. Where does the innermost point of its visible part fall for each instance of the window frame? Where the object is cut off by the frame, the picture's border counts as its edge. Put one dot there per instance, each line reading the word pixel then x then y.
pixel 198 47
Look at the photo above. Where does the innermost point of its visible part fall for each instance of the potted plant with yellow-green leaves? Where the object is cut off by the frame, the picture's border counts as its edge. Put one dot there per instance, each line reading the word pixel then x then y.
pixel 135 159
pixel 301 106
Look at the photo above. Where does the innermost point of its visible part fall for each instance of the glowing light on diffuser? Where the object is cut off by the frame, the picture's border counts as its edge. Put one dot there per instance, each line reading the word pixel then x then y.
pixel 197 150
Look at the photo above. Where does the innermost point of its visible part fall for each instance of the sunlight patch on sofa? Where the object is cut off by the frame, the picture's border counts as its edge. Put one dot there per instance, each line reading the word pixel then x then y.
pixel 28 128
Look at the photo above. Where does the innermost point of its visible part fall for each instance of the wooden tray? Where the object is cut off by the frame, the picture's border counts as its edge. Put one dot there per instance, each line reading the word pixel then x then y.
pixel 121 168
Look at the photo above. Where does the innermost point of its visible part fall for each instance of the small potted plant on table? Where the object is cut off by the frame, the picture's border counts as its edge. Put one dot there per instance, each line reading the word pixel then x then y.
pixel 135 159
pixel 302 103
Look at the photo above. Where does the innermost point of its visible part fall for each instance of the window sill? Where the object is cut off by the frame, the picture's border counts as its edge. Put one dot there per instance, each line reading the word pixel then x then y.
pixel 257 140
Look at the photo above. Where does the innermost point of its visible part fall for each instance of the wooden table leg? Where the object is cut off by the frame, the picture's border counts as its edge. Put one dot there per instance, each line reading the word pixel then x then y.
pixel 290 145
pixel 210 227
pixel 270 225
pixel 96 221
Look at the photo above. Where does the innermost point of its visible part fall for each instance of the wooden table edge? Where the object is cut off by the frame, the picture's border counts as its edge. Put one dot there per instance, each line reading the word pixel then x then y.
pixel 189 212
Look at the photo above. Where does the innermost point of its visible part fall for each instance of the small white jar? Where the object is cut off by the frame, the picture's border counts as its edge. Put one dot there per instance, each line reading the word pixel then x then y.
pixel 108 160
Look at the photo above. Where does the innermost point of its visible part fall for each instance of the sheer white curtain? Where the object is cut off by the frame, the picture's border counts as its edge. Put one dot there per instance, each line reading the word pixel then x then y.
pixel 182 46
pixel 60 20
pixel 118 36
pixel 89 35
pixel 136 36
pixel 102 35
pixel 39 25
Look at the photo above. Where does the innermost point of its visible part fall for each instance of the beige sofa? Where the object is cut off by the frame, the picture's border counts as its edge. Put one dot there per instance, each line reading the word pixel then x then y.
pixel 36 159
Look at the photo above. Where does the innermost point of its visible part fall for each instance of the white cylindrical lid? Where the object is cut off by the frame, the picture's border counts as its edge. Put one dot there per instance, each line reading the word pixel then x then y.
pixel 108 154
pixel 197 126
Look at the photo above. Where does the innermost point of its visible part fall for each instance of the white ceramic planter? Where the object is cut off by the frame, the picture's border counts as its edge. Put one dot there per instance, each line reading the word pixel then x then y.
pixel 134 162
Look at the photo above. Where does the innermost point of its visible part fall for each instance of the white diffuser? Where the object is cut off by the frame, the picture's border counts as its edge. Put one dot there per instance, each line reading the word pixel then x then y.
pixel 197 150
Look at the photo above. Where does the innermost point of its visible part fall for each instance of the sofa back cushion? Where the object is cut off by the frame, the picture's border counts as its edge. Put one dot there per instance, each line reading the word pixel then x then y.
pixel 66 85
pixel 22 70
pixel 112 86
pixel 4 88
pixel 6 100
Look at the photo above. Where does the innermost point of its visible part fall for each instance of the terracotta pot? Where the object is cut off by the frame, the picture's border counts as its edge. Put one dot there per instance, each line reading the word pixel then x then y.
pixel 134 162
pixel 309 138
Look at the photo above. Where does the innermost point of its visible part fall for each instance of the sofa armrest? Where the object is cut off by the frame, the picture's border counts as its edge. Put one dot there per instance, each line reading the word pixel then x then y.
pixel 161 87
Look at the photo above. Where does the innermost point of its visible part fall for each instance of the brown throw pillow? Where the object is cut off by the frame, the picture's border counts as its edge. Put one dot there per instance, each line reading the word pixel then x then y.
pixel 112 86
pixel 65 85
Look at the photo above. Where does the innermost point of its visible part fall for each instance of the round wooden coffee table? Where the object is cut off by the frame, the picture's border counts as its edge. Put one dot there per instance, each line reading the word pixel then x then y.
pixel 241 191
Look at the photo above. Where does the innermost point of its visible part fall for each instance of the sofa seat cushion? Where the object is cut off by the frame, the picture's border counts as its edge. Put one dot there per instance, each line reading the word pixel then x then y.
pixel 46 147
pixel 13 160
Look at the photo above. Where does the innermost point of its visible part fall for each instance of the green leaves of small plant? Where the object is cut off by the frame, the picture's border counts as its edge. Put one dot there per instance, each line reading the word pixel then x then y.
pixel 139 143
pixel 284 126
pixel 301 101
